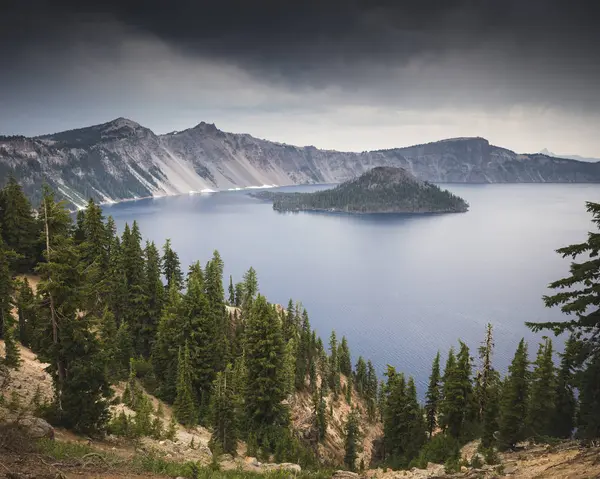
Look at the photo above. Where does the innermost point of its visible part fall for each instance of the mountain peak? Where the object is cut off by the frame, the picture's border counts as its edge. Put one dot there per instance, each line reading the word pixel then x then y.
pixel 119 123
pixel 206 127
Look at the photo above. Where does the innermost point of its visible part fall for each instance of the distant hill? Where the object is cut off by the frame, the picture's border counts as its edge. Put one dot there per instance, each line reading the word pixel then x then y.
pixel 123 160
pixel 384 189
pixel 545 151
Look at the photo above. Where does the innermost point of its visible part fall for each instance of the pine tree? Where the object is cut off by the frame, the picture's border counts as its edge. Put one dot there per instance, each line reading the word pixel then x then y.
pixel 303 352
pixel 184 406
pixel 416 427
pixel 223 418
pixel 218 313
pixel 71 349
pixel 334 365
pixel 453 403
pixel 361 376
pixel 165 348
pixel 433 396
pixel 94 257
pixel 542 389
pixel 250 286
pixel 320 411
pixel 132 257
pixel 351 439
pixel 171 267
pixel 487 384
pixel 201 327
pixel 231 292
pixel 514 400
pixel 345 358
pixel 6 287
pixel 371 390
pixel 155 297
pixel 289 367
pixel 563 420
pixel 12 354
pixel 107 334
pixel 18 226
pixel 588 419
pixel 579 295
pixel 239 294
pixel 123 351
pixel 349 388
pixel 27 313
pixel 264 361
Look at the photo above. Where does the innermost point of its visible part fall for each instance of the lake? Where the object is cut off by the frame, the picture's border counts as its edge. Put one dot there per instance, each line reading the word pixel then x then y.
pixel 399 288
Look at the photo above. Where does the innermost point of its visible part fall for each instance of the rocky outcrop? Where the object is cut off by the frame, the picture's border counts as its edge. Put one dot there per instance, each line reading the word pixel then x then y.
pixel 122 160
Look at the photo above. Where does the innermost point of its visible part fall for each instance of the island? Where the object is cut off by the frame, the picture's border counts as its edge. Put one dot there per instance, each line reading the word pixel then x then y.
pixel 383 189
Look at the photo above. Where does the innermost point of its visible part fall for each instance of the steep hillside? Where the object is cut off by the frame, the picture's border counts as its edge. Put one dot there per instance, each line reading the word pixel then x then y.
pixel 122 160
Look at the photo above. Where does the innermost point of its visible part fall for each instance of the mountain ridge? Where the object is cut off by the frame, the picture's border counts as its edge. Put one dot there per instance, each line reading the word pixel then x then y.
pixel 122 160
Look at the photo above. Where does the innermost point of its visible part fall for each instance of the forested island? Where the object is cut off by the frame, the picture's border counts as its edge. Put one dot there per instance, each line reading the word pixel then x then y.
pixel 383 189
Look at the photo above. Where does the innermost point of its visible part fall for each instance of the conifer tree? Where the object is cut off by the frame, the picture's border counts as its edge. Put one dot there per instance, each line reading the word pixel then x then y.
pixel 165 348
pixel 361 376
pixel 239 294
pixel 345 357
pixel 231 292
pixel 563 419
pixel 303 352
pixel 132 257
pixel 487 384
pixel 334 365
pixel 94 253
pixel 218 314
pixel 12 354
pixel 579 295
pixel 542 389
pixel 6 287
pixel 289 366
pixel 123 351
pixel 155 297
pixel 514 400
pixel 320 411
pixel 416 427
pixel 71 349
pixel 171 267
pixel 588 418
pixel 264 362
pixel 371 391
pixel 452 405
pixel 433 396
pixel 222 409
pixel 351 439
pixel 184 406
pixel 107 333
pixel 349 387
pixel 250 285
pixel 18 226
pixel 117 288
pixel 27 313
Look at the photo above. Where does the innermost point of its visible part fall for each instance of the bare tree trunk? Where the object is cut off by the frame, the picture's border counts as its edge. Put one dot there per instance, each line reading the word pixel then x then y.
pixel 59 364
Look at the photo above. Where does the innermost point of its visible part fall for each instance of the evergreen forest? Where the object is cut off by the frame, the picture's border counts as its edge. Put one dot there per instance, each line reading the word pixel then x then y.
pixel 111 307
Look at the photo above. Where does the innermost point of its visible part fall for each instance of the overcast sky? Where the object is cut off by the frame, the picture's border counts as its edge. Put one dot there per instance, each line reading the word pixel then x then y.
pixel 349 75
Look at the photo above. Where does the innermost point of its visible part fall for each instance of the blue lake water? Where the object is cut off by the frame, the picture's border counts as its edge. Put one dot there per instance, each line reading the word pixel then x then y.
pixel 399 288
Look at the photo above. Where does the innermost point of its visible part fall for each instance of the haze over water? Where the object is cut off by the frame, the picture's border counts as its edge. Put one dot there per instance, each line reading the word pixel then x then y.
pixel 399 288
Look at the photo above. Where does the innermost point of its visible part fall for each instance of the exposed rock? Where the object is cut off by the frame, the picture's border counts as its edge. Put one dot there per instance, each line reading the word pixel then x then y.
pixel 510 469
pixel 36 428
pixel 285 466
pixel 123 160
pixel 345 475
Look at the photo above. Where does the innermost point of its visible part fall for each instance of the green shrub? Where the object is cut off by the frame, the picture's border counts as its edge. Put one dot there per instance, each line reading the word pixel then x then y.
pixel 439 449
pixel 489 455
pixel 476 461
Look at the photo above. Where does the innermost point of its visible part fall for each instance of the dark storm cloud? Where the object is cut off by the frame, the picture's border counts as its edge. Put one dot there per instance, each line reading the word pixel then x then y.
pixel 315 41
pixel 400 71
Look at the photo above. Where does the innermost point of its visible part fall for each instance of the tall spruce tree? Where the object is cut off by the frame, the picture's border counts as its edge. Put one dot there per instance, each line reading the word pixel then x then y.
pixel 563 419
pixel 250 284
pixel 219 318
pixel 264 362
pixel 6 287
pixel 416 426
pixel 70 347
pixel 345 357
pixel 18 226
pixel 452 407
pixel 155 297
pixel 165 348
pixel 223 413
pixel 487 390
pixel 27 313
pixel 320 412
pixel 334 365
pixel 351 439
pixel 171 266
pixel 184 407
pixel 579 296
pixel 231 291
pixel 433 396
pixel 542 389
pixel 514 400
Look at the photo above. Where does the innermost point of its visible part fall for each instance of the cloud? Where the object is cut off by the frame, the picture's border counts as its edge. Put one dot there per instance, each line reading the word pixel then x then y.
pixel 400 72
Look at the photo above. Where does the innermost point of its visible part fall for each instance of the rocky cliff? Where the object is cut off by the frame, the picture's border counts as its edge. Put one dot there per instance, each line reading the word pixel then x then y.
pixel 123 160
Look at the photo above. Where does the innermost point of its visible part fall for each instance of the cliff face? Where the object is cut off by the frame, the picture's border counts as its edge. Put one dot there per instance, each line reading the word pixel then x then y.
pixel 123 160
